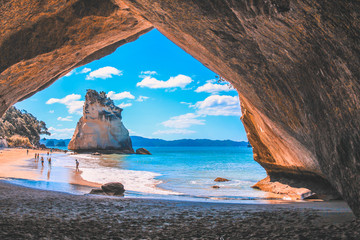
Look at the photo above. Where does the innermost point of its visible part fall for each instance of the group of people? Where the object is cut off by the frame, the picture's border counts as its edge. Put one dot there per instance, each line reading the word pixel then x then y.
pixel 37 158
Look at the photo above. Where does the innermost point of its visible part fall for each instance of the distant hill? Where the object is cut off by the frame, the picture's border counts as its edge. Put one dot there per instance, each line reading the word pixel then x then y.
pixel 54 143
pixel 154 142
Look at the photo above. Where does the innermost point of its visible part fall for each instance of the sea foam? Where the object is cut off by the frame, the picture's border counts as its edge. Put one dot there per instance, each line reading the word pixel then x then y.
pixel 138 181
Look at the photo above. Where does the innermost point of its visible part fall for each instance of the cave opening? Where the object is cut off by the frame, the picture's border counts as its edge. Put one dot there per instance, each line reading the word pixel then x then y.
pixel 165 94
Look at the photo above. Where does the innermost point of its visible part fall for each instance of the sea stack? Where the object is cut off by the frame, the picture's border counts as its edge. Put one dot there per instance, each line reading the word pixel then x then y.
pixel 100 129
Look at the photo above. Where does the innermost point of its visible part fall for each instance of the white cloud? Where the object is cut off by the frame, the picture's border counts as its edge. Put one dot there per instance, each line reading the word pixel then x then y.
pixel 124 105
pixel 141 98
pixel 179 81
pixel 65 119
pixel 103 73
pixel 85 70
pixel 65 100
pixel 70 73
pixel 131 131
pixel 174 131
pixel 61 133
pixel 186 103
pixel 51 111
pixel 119 96
pixel 75 107
pixel 216 105
pixel 149 72
pixel 211 87
pixel 70 101
pixel 183 121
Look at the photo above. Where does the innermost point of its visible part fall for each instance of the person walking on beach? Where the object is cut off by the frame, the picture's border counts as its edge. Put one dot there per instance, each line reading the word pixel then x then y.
pixel 42 161
pixel 49 160
pixel 27 151
pixel 77 164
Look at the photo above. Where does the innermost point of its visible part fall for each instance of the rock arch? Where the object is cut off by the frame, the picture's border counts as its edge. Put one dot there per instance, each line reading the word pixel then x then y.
pixel 294 63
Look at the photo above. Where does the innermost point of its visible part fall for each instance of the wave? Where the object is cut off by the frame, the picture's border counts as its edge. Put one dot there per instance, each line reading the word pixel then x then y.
pixel 138 181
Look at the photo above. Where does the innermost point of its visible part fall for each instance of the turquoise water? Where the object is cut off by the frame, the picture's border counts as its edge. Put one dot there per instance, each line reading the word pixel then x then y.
pixel 192 170
pixel 181 173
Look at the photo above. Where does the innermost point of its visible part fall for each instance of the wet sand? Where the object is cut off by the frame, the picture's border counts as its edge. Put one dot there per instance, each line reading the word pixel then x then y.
pixel 14 163
pixel 28 213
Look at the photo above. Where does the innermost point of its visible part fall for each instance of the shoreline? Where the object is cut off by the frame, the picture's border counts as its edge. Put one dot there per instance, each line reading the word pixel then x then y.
pixel 20 166
pixel 14 162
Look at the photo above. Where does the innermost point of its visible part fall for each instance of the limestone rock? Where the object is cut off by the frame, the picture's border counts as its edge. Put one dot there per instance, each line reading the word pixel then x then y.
pixel 298 189
pixel 113 188
pixel 3 143
pixel 100 128
pixel 219 179
pixel 142 151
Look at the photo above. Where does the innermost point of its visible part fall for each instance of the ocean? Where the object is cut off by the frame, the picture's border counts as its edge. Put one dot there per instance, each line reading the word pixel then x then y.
pixel 179 173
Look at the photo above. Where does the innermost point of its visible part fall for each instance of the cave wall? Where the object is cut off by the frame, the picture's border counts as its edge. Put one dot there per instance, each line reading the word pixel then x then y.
pixel 41 41
pixel 295 65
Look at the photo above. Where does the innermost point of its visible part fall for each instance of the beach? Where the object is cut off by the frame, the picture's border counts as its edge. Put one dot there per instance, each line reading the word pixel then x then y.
pixel 14 160
pixel 28 213
pixel 36 214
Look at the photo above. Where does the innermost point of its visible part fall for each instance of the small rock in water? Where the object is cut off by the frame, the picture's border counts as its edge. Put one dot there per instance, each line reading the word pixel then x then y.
pixel 96 153
pixel 219 179
pixel 142 151
pixel 113 189
pixel 97 191
pixel 215 186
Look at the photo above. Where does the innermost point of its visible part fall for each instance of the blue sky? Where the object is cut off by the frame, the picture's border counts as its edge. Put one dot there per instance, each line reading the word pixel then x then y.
pixel 165 93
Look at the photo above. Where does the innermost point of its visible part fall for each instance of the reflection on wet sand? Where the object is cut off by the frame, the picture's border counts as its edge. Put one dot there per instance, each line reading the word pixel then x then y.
pixel 48 173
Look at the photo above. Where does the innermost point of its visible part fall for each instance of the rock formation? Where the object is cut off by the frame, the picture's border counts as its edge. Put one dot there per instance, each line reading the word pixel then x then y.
pixel 220 179
pixel 142 151
pixel 111 189
pixel 295 65
pixel 100 128
pixel 3 143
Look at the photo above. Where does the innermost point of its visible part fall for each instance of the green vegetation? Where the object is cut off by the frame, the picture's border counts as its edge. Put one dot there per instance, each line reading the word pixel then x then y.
pixel 18 141
pixel 17 126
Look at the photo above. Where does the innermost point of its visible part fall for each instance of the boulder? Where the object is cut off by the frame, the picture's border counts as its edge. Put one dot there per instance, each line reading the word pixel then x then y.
pixel 142 151
pixel 219 179
pixel 215 186
pixel 3 143
pixel 113 188
pixel 97 191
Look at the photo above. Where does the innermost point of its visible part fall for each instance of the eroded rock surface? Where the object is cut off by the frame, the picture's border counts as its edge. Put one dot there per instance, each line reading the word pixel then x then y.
pixel 100 128
pixel 294 63
pixel 41 41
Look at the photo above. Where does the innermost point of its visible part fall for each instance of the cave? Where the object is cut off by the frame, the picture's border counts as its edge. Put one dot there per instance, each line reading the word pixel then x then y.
pixel 295 65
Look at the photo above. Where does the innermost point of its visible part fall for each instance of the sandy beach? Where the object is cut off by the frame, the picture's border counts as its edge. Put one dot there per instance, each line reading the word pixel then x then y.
pixel 28 213
pixel 13 160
